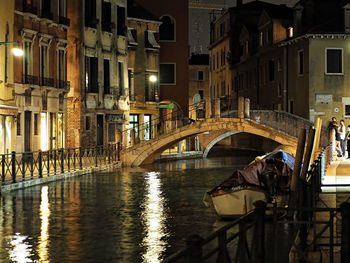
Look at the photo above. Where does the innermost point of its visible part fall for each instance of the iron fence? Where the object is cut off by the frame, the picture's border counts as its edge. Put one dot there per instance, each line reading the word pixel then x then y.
pixel 19 167
pixel 244 240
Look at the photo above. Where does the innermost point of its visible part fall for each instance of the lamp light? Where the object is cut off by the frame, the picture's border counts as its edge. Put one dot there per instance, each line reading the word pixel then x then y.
pixel 152 78
pixel 17 52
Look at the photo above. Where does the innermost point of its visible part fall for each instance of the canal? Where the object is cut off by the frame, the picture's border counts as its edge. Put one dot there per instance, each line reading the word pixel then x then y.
pixel 130 215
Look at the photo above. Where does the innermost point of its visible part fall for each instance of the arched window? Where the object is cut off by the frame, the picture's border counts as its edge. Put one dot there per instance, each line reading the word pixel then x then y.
pixel 167 28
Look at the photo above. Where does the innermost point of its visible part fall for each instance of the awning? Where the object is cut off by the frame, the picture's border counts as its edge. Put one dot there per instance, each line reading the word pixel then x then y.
pixel 8 110
pixel 152 40
pixel 131 38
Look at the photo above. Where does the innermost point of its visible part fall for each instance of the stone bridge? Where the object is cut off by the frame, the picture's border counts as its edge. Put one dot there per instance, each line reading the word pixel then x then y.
pixel 278 126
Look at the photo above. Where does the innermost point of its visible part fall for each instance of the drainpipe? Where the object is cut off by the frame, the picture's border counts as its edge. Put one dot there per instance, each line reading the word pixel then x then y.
pixel 285 79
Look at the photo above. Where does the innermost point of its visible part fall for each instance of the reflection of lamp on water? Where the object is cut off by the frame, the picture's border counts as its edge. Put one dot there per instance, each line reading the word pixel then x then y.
pixel 15 51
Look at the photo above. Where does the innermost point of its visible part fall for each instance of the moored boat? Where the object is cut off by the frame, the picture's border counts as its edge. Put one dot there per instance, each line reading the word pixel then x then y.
pixel 267 178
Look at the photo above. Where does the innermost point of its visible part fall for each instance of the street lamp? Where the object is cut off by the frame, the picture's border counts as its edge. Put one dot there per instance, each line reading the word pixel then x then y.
pixel 153 78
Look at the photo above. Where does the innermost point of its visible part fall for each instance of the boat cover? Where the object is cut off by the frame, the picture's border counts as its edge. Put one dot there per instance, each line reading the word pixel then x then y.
pixel 278 163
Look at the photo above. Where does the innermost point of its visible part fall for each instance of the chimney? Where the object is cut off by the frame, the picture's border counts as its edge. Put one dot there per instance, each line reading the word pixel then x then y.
pixel 347 18
pixel 298 13
pixel 239 2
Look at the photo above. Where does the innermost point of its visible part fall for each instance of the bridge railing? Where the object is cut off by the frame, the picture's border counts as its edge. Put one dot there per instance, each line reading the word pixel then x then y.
pixel 25 166
pixel 170 120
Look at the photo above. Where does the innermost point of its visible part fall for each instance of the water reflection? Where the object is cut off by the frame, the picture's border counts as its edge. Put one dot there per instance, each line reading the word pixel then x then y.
pixel 44 216
pixel 20 250
pixel 153 217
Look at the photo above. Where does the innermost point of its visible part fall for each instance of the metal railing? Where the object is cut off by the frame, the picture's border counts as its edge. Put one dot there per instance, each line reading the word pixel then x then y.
pixel 315 229
pixel 19 167
pixel 285 122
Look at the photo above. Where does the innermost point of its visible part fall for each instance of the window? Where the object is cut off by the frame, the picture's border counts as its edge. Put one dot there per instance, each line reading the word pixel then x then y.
pixel 46 9
pixel 279 66
pixel 90 13
pixel 36 124
pixel 167 73
pixel 134 125
pixel 132 37
pixel 62 8
pixel 223 57
pixel 121 78
pixel 271 70
pixel 222 29
pixel 91 74
pixel 106 16
pixel 151 39
pixel 131 85
pixel 19 124
pixel 121 26
pixel 151 87
pixel 106 76
pixel 217 60
pixel 167 28
pixel 279 90
pixel 213 63
pixel 261 38
pixel 290 32
pixel 111 132
pixel 347 111
pixel 201 93
pixel 334 61
pixel 62 72
pixel 200 75
pixel 43 62
pixel 147 132
pixel 87 123
pixel 223 88
pixel 300 62
pixel 27 58
pixel 291 106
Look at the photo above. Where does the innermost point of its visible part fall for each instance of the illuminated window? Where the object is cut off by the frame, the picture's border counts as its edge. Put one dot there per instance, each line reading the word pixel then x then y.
pixel 290 32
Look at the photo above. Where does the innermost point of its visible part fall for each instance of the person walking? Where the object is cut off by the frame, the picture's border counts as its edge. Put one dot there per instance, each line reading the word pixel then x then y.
pixel 334 126
pixel 342 134
pixel 348 141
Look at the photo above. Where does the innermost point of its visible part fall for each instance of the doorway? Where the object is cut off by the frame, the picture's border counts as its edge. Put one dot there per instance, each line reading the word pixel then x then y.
pixel 99 129
pixel 27 130
pixel 53 131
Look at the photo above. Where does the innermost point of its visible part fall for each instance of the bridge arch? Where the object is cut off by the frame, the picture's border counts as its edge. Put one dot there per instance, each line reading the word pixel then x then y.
pixel 216 140
pixel 146 152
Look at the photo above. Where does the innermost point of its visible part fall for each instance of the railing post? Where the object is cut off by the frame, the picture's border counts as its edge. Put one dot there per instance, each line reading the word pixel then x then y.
pixel 74 161
pixel 3 167
pixel 242 253
pixel 80 158
pixel 48 163
pixel 195 254
pixel 62 160
pixel 40 168
pixel 68 159
pixel 258 250
pixel 13 162
pixel 23 167
pixel 345 234
pixel 55 161
pixel 109 153
pixel 96 147
pixel 118 151
pixel 223 256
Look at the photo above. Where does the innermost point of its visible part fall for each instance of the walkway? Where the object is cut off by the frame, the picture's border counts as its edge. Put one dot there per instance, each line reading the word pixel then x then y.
pixel 337 173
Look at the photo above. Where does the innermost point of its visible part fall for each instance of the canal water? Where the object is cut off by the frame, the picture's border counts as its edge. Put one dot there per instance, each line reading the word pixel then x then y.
pixel 130 215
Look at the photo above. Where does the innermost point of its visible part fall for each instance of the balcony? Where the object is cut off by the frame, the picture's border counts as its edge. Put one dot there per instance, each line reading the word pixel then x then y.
pixel 29 8
pixel 64 20
pixel 29 79
pixel 47 82
pixel 63 84
pixel 46 14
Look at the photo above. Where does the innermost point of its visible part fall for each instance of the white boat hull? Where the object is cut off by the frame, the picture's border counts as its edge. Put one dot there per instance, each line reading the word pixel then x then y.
pixel 237 202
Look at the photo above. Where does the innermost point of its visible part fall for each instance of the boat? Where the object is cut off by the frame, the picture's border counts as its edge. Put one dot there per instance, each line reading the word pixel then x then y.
pixel 267 178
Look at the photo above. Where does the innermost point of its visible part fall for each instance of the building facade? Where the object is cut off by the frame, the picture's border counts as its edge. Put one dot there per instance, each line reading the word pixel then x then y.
pixel 98 103
pixel 174 50
pixel 8 108
pixel 143 70
pixel 40 84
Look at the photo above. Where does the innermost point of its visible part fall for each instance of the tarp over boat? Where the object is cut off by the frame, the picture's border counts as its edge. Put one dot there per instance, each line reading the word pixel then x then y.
pixel 278 163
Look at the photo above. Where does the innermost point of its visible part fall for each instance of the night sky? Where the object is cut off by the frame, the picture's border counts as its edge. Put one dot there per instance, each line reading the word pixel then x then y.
pixel 199 21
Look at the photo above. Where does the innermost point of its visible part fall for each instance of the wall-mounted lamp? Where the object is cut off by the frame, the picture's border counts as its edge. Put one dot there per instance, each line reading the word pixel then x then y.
pixel 153 78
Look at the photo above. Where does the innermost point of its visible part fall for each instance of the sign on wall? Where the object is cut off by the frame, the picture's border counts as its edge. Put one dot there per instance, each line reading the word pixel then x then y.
pixel 324 98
